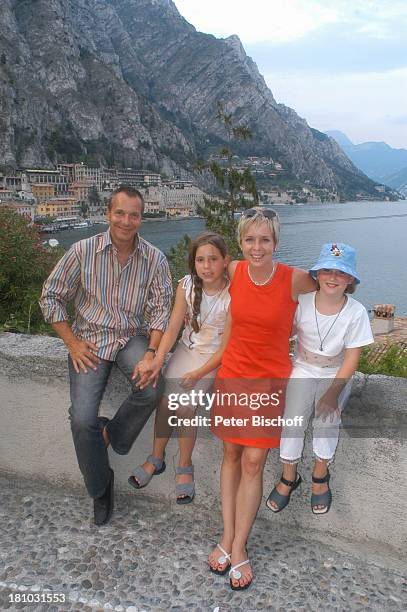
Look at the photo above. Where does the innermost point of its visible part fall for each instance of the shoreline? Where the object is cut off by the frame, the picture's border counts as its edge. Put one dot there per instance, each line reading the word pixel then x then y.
pixel 101 218
pixel 304 229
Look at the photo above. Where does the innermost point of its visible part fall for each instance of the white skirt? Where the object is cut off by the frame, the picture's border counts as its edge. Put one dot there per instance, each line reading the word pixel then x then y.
pixel 182 361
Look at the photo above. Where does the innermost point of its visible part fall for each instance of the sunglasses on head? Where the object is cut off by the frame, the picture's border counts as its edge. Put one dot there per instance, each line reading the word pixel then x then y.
pixel 269 213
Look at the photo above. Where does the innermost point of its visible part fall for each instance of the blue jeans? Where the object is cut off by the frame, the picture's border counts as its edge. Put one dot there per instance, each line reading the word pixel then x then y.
pixel 86 394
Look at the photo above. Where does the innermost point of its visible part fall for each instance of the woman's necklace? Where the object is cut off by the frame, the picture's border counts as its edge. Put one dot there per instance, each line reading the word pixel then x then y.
pixel 261 283
pixel 322 340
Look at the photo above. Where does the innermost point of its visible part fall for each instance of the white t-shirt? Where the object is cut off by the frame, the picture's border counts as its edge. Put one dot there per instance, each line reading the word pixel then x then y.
pixel 350 330
pixel 211 319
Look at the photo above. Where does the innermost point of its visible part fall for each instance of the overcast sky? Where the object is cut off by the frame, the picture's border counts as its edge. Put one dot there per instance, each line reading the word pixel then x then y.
pixel 341 64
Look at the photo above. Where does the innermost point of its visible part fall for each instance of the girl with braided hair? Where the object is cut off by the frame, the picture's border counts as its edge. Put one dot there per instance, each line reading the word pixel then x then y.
pixel 201 306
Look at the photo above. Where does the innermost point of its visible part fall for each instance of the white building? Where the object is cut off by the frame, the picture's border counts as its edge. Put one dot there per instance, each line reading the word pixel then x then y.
pixel 35 176
pixel 182 198
pixel 134 178
pixel 175 198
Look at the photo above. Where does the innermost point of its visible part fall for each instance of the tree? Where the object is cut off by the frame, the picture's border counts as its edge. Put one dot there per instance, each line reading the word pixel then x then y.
pixel 178 258
pixel 3 59
pixel 220 215
pixel 24 265
pixel 94 197
pixel 84 210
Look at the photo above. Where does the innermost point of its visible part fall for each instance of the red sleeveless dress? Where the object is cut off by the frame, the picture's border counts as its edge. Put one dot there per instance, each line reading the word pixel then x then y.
pixel 256 360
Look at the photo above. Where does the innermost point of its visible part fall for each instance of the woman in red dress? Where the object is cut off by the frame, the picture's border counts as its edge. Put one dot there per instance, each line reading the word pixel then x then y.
pixel 255 362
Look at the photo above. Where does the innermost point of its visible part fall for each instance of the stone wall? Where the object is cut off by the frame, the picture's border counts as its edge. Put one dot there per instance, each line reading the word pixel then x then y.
pixel 368 476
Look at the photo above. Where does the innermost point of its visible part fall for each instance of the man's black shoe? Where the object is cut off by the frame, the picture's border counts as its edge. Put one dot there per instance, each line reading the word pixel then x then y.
pixel 103 421
pixel 103 506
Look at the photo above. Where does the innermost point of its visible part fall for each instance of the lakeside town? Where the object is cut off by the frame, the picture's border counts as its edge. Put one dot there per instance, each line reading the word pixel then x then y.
pixel 76 193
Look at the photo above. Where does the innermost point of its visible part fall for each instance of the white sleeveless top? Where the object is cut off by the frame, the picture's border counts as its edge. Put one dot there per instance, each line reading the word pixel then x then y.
pixel 212 318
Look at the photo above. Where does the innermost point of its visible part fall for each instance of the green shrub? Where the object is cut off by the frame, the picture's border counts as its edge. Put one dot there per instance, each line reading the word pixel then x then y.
pixel 390 360
pixel 24 265
pixel 178 260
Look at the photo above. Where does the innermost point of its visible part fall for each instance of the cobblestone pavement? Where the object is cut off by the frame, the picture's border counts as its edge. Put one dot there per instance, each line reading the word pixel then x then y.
pixel 152 557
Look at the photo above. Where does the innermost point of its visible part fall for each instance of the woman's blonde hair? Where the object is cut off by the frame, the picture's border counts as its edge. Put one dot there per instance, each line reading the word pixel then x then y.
pixel 258 217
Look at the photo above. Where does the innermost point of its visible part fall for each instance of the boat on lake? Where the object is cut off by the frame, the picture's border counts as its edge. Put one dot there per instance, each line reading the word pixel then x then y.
pixel 82 224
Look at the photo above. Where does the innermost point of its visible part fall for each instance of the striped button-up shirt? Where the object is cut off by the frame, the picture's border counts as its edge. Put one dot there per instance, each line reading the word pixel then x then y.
pixel 112 303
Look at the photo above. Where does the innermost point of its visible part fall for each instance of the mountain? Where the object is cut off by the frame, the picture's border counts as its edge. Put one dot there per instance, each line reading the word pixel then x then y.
pixel 130 82
pixel 341 138
pixel 398 181
pixel 376 159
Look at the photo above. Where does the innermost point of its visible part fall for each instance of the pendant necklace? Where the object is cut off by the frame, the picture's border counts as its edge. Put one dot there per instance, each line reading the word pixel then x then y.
pixel 261 283
pixel 218 295
pixel 322 340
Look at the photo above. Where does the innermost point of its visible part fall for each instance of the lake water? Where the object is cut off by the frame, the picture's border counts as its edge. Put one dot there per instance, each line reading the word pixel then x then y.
pixel 378 230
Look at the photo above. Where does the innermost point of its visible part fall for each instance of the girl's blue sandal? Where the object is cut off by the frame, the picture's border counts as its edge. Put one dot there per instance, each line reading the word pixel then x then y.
pixel 140 478
pixel 185 492
pixel 280 500
pixel 321 499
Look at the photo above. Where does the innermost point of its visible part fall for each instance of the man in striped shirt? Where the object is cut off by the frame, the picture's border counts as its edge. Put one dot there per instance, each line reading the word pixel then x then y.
pixel 120 286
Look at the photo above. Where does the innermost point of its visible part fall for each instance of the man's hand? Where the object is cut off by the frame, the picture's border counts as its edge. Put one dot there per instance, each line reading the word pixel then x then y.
pixel 328 407
pixel 148 370
pixel 190 379
pixel 83 354
pixel 142 367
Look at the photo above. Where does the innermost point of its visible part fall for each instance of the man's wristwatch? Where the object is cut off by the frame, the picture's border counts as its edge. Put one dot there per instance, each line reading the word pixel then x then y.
pixel 151 350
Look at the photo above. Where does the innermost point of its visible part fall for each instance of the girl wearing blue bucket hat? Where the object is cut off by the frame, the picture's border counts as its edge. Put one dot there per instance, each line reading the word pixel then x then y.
pixel 331 329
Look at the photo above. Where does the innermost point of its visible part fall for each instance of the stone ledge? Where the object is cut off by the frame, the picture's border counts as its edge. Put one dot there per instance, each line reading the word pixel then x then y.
pixel 36 443
pixel 32 356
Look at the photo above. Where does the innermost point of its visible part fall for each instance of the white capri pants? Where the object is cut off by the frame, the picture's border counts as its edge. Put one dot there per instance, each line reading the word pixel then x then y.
pixel 306 386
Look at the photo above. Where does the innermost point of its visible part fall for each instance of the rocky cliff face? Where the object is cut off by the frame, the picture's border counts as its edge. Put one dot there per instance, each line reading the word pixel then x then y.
pixel 64 89
pixel 131 82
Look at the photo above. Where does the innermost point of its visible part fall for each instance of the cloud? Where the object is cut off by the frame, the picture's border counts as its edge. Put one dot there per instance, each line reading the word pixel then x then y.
pixel 261 20
pixel 281 21
pixel 341 64
pixel 334 48
pixel 400 120
pixel 365 106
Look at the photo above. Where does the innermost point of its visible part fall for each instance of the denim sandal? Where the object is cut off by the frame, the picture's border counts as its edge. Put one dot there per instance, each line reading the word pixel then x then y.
pixel 282 500
pixel 223 558
pixel 321 499
pixel 188 488
pixel 140 477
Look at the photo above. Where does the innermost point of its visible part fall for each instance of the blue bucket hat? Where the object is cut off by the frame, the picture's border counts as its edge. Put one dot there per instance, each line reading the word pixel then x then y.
pixel 336 256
